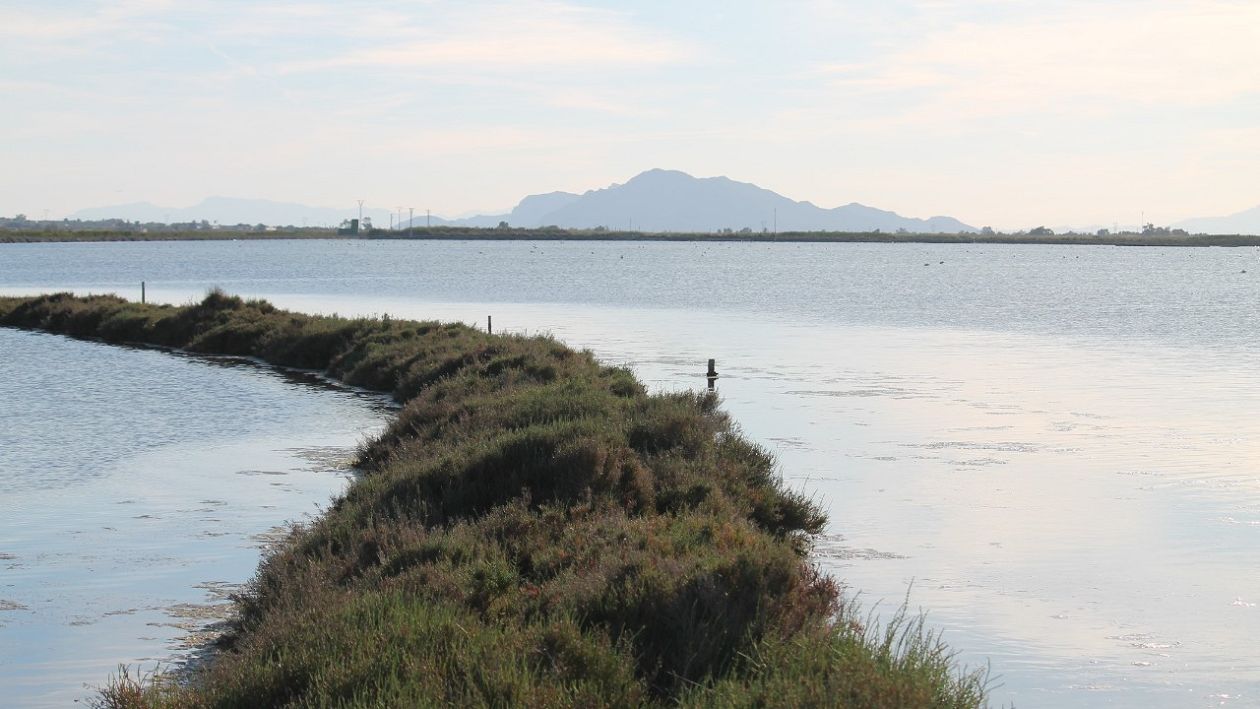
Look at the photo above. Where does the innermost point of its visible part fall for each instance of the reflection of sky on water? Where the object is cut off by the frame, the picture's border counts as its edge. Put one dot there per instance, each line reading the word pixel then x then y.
pixel 1069 478
pixel 1200 297
pixel 133 481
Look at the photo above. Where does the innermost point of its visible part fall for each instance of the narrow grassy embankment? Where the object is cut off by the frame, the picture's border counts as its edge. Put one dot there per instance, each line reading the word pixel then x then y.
pixel 532 530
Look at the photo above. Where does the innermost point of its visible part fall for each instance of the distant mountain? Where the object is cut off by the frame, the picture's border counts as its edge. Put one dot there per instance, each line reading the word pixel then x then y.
pixel 1245 222
pixel 656 200
pixel 231 210
pixel 669 200
pixel 535 209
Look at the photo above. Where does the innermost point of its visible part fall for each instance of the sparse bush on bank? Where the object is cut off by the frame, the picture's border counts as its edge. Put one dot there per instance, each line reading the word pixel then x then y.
pixel 533 529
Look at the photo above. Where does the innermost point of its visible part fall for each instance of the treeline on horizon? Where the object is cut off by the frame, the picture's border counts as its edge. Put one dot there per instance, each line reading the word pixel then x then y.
pixel 59 232
pixel 532 529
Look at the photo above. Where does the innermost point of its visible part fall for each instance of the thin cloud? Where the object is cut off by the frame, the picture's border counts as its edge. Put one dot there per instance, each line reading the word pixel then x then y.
pixel 1092 58
pixel 602 102
pixel 131 20
pixel 514 38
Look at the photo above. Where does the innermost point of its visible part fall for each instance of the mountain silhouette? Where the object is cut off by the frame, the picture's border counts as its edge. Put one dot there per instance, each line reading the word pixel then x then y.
pixel 235 210
pixel 656 200
pixel 669 200
pixel 1245 222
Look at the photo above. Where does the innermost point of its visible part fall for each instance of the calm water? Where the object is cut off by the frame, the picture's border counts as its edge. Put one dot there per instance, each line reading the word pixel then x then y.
pixel 136 490
pixel 1054 451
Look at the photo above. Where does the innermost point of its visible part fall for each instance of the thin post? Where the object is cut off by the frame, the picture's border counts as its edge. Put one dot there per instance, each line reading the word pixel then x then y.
pixel 141 292
pixel 712 369
pixel 489 324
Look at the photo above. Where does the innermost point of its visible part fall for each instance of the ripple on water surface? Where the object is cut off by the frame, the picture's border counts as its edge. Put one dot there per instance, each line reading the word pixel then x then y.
pixel 135 493
pixel 1095 411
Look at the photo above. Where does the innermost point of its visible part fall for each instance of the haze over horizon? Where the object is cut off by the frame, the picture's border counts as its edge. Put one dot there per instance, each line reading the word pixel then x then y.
pixel 1009 114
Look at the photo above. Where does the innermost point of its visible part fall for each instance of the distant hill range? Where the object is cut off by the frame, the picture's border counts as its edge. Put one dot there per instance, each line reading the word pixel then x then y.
pixel 669 200
pixel 231 211
pixel 656 200
pixel 1246 222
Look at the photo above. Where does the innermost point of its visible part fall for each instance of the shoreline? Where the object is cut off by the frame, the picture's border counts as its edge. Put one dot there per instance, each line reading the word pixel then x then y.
pixel 514 234
pixel 531 528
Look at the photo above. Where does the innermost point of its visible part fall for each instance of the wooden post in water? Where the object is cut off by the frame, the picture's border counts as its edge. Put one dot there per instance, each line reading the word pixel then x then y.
pixel 489 324
pixel 712 369
pixel 142 291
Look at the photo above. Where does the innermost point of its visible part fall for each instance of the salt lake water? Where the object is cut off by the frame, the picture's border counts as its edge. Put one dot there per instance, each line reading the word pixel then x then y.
pixel 137 489
pixel 1054 451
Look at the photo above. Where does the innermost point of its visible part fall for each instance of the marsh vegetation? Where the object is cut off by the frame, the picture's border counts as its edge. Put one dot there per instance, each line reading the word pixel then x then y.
pixel 533 528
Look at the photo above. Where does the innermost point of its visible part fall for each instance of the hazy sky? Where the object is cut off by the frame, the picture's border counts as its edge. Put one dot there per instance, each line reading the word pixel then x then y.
pixel 1010 113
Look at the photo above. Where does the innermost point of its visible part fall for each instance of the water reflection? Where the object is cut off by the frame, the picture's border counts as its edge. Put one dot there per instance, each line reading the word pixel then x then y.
pixel 138 490
pixel 1056 446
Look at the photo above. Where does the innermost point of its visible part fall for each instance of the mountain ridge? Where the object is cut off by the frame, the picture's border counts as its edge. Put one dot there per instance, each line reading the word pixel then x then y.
pixel 1244 222
pixel 654 200
pixel 672 200
pixel 233 210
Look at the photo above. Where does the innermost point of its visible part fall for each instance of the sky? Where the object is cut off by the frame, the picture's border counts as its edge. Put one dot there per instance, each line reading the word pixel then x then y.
pixel 1009 113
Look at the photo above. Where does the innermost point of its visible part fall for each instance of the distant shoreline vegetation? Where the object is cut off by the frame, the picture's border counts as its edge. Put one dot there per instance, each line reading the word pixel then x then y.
pixel 533 529
pixel 12 231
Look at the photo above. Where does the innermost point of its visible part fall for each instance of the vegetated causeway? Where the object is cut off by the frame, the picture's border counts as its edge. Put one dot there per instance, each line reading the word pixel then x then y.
pixel 533 529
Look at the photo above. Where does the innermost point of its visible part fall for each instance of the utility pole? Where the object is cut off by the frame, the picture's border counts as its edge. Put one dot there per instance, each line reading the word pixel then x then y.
pixel 360 212
pixel 411 219
pixel 426 219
